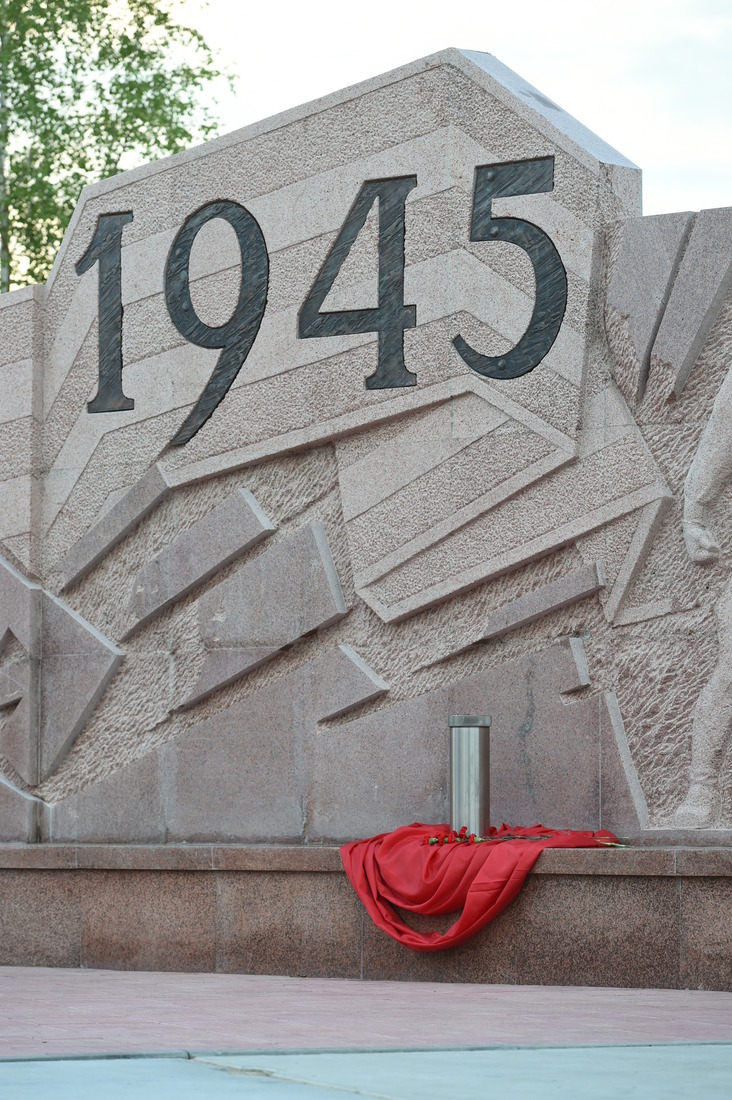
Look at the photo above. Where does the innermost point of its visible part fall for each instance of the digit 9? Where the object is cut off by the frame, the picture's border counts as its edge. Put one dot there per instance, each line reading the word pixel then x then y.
pixel 236 337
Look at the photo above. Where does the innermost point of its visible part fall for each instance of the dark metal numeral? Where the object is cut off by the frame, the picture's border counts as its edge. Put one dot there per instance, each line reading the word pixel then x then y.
pixel 391 317
pixel 528 177
pixel 106 246
pixel 236 337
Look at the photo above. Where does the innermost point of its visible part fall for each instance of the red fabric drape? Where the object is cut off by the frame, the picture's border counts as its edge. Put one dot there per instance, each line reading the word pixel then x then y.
pixel 402 868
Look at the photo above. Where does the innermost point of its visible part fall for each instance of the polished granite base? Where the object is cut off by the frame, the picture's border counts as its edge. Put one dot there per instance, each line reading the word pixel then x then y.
pixel 644 917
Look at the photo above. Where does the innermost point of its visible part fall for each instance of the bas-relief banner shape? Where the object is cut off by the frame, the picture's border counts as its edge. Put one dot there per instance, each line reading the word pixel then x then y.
pixel 343 420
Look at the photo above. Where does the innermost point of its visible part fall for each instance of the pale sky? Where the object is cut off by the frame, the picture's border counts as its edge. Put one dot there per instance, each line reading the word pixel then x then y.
pixel 651 77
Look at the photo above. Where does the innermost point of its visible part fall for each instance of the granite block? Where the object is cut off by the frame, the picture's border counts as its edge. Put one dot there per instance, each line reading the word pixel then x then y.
pixel 18 814
pixel 701 286
pixel 135 920
pixel 489 957
pixel 597 930
pixel 286 592
pixel 220 537
pixel 340 681
pixel 706 933
pixel 137 502
pixel 36 856
pixel 539 736
pixel 310 859
pixel 239 774
pixel 291 923
pixel 648 256
pixel 709 862
pixel 40 918
pixel 606 861
pixel 380 771
pixel 124 807
pixel 144 857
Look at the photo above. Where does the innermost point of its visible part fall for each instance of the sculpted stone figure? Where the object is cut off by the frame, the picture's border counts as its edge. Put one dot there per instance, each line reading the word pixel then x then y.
pixel 712 723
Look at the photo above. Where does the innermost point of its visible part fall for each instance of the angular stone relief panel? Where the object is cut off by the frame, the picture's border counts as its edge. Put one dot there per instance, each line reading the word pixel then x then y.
pixel 578 585
pixel 442 470
pixel 364 779
pixel 20 653
pixel 21 364
pixel 340 681
pixel 288 591
pixel 614 474
pixel 701 286
pixel 145 495
pixel 78 664
pixel 239 775
pixel 219 538
pixel 648 255
pixel 18 708
pixel 54 668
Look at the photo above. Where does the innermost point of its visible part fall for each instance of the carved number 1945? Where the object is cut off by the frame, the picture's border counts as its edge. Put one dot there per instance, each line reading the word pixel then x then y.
pixel 390 318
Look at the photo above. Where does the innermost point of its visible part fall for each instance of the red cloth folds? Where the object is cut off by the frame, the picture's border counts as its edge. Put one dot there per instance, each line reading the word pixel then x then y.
pixel 403 869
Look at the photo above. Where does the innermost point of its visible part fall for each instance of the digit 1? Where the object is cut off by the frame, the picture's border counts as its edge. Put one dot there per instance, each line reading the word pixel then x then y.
pixel 106 246
pixel 526 177
pixel 236 337
pixel 391 317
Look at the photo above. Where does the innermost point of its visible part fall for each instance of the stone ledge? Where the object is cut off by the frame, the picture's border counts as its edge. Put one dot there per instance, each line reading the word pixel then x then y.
pixel 646 919
pixel 170 857
pixel 653 861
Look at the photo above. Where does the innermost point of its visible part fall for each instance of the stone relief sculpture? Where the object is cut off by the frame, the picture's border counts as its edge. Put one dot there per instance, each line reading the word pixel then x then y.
pixel 712 719
pixel 385 515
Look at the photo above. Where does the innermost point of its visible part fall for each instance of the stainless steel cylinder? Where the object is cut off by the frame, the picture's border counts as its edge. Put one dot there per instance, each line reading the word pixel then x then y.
pixel 470 772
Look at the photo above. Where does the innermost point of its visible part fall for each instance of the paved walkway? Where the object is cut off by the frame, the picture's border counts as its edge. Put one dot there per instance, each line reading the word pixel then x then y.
pixel 305 1039
pixel 47 1012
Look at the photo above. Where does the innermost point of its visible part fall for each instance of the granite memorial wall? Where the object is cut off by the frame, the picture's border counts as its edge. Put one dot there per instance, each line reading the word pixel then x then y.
pixel 389 407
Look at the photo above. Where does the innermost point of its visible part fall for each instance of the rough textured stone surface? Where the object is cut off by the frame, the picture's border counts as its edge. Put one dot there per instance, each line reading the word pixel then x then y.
pixel 380 771
pixel 21 366
pixel 219 538
pixel 614 474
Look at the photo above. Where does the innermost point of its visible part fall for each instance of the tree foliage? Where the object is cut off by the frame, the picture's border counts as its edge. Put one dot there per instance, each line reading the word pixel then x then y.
pixel 87 87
